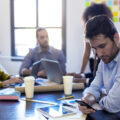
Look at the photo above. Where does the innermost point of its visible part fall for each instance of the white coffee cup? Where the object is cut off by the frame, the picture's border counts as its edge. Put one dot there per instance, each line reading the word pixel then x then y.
pixel 29 86
pixel 67 80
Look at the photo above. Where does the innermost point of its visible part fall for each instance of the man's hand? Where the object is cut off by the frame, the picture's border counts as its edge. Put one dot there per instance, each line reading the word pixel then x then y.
pixel 41 73
pixel 15 80
pixel 26 72
pixel 79 80
pixel 85 110
pixel 74 75
pixel 89 99
pixel 12 80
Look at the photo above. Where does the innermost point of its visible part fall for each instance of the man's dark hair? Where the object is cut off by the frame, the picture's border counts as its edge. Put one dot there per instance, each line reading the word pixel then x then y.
pixel 39 29
pixel 100 24
pixel 96 9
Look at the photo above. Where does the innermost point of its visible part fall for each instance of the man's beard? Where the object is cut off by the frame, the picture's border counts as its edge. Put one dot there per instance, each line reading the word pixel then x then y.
pixel 112 56
pixel 45 47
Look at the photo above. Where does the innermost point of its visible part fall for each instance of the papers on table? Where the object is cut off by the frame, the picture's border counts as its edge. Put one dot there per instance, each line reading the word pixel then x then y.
pixel 9 94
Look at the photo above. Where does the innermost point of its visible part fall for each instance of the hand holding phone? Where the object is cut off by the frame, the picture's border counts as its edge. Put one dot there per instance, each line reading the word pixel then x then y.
pixel 82 103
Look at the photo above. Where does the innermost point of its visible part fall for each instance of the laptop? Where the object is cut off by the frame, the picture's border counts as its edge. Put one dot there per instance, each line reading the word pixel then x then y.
pixel 53 70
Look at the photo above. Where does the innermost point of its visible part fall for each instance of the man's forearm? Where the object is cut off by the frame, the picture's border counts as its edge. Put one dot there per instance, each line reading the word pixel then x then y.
pixel 5 82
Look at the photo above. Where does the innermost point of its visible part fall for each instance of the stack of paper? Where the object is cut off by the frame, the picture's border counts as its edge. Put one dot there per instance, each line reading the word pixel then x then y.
pixel 9 94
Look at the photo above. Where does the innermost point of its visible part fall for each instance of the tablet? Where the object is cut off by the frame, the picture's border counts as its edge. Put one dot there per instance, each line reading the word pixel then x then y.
pixel 53 70
pixel 55 111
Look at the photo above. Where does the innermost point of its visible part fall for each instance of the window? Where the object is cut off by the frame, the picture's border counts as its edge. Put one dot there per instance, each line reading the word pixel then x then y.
pixel 28 15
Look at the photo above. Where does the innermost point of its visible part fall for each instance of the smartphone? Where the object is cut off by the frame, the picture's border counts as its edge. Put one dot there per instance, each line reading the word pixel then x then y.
pixel 82 103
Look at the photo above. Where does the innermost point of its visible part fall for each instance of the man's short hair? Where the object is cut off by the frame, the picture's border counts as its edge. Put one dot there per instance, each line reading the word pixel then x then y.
pixel 39 29
pixel 96 9
pixel 100 24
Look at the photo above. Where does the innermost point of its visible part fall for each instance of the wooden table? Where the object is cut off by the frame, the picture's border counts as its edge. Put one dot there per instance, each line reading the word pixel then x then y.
pixel 22 110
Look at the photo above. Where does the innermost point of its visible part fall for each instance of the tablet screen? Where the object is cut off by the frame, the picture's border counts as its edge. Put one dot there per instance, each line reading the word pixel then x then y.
pixel 55 111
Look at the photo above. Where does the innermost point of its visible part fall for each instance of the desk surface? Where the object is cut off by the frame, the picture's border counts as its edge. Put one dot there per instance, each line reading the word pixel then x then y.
pixel 22 110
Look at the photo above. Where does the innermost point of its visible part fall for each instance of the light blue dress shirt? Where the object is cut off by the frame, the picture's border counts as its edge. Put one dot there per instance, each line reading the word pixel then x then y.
pixel 107 76
pixel 36 54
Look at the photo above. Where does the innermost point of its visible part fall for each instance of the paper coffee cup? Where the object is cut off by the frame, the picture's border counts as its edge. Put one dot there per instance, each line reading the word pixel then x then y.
pixel 29 86
pixel 67 80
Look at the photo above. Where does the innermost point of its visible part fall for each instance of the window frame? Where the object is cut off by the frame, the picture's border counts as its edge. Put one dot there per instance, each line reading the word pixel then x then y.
pixel 19 58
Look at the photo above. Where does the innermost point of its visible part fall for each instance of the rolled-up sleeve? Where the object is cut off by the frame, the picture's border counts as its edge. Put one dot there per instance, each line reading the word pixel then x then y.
pixel 96 85
pixel 111 102
pixel 28 61
pixel 62 62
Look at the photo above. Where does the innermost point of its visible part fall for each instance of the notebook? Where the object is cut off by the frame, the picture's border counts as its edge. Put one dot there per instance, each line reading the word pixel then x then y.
pixel 9 94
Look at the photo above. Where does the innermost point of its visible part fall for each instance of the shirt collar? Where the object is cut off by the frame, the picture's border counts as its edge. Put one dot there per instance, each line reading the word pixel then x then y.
pixel 117 58
pixel 114 61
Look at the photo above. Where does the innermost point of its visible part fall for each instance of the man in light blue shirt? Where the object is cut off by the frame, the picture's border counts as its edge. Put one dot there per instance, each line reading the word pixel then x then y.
pixel 104 38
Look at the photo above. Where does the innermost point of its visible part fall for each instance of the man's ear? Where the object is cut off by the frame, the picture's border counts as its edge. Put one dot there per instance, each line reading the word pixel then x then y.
pixel 117 39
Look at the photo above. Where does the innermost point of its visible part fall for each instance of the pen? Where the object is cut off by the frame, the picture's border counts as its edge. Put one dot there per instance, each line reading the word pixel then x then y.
pixel 44 102
pixel 65 104
pixel 47 118
pixel 66 98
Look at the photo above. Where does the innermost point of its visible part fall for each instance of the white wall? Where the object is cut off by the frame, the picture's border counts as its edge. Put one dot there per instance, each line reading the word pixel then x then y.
pixel 75 45
pixel 5 38
pixel 75 39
